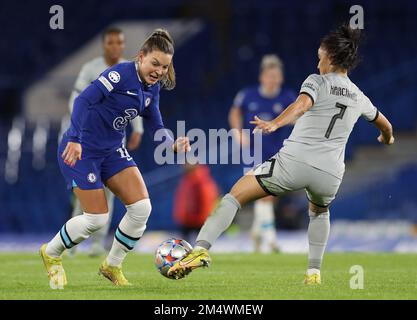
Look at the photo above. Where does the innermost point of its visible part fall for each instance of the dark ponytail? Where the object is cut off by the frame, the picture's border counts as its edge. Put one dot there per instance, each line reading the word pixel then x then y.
pixel 161 40
pixel 342 46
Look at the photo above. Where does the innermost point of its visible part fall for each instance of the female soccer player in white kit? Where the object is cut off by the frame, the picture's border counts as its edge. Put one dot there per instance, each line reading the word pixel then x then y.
pixel 312 158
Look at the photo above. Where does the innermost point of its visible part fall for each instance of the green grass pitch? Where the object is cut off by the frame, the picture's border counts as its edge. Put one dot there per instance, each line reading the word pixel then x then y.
pixel 231 276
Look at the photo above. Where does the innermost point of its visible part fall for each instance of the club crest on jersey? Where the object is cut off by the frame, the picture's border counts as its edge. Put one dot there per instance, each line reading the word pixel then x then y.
pixel 147 102
pixel 91 177
pixel 114 76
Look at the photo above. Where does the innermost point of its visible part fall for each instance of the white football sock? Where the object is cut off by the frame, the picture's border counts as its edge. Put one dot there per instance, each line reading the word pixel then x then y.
pixel 130 230
pixel 76 230
pixel 218 221
pixel 318 233
pixel 98 237
pixel 264 222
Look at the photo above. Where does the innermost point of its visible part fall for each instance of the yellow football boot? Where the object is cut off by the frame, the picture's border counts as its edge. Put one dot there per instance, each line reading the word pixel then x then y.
pixel 313 279
pixel 114 274
pixel 56 272
pixel 196 259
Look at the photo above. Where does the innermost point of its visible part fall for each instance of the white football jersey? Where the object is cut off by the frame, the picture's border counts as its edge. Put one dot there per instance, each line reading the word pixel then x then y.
pixel 319 136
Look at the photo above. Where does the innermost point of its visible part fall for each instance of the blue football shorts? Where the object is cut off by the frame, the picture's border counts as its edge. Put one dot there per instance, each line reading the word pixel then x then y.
pixel 93 170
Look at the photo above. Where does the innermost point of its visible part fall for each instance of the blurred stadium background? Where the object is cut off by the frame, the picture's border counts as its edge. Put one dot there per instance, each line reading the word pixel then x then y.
pixel 219 45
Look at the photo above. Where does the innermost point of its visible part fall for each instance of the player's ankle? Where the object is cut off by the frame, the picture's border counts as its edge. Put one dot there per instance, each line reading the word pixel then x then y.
pixel 312 271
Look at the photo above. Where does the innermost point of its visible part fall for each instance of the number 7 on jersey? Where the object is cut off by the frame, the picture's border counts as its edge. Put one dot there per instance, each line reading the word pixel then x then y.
pixel 335 117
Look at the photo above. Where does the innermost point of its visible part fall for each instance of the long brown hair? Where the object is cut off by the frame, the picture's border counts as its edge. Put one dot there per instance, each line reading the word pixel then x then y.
pixel 161 40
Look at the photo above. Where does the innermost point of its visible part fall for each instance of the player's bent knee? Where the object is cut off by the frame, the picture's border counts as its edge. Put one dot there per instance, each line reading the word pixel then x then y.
pixel 139 211
pixel 317 210
pixel 96 221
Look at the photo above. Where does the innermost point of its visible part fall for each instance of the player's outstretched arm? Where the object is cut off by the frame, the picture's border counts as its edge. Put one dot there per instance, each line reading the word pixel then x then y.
pixel 294 111
pixel 385 128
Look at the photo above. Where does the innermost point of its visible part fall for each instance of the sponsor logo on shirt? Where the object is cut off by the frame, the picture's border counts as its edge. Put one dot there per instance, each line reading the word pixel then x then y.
pixel 121 122
pixel 114 76
pixel 309 85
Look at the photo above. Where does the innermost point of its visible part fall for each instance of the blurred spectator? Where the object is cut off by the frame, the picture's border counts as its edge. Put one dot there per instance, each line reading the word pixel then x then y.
pixel 195 197
pixel 265 100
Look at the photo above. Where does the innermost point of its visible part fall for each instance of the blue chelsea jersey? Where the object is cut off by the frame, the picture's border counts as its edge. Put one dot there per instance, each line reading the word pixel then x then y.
pixel 107 106
pixel 252 103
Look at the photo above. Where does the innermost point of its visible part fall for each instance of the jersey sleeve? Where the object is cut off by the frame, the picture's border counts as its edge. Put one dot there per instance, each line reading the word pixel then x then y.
pixel 311 86
pixel 137 125
pixel 240 97
pixel 369 111
pixel 89 96
pixel 111 79
pixel 153 119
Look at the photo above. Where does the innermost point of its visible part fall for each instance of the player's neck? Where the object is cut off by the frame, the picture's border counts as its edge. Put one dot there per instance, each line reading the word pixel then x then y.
pixel 340 72
pixel 110 62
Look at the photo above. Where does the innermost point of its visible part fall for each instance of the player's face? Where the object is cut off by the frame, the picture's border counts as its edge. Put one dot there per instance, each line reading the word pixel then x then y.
pixel 114 45
pixel 271 79
pixel 324 62
pixel 153 66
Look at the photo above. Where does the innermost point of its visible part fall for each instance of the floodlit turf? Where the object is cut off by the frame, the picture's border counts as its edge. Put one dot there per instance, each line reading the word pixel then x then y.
pixel 231 276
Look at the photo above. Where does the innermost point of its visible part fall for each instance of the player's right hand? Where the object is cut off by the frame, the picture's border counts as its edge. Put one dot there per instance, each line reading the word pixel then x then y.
pixel 382 139
pixel 263 126
pixel 72 153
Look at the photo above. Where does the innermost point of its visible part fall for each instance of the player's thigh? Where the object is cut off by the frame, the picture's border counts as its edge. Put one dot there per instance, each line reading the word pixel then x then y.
pixel 247 189
pixel 321 190
pixel 128 185
pixel 268 197
pixel 279 176
pixel 92 201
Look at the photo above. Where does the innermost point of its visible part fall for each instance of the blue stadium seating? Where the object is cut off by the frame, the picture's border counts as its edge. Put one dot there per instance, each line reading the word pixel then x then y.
pixel 211 68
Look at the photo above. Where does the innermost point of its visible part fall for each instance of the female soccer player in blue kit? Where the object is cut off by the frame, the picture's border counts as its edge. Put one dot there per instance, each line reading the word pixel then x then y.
pixel 91 154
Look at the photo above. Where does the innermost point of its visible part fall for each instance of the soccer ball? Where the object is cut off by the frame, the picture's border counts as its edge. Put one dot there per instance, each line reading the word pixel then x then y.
pixel 169 252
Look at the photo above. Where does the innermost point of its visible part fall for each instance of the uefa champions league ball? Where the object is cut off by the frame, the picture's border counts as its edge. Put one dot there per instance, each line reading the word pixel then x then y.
pixel 169 252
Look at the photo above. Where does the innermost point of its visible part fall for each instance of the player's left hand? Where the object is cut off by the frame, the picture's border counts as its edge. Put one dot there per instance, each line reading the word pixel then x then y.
pixel 182 144
pixel 134 141
pixel 264 126
pixel 381 139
